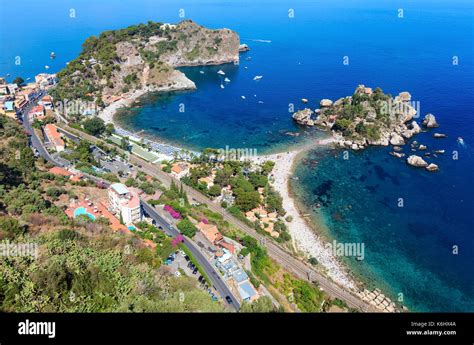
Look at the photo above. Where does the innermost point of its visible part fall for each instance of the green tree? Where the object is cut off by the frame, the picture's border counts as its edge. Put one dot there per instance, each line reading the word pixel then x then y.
pixel 19 81
pixel 109 128
pixel 187 228
pixel 246 201
pixel 94 126
pixel 262 305
pixel 10 227
pixel 214 190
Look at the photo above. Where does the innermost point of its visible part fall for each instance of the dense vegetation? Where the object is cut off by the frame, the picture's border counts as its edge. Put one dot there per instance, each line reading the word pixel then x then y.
pixel 82 265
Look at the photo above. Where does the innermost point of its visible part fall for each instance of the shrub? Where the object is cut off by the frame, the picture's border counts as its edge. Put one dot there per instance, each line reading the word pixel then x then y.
pixel 187 228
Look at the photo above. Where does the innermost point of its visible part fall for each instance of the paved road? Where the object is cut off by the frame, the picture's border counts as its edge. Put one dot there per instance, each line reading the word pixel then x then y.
pixel 298 267
pixel 210 270
pixel 35 141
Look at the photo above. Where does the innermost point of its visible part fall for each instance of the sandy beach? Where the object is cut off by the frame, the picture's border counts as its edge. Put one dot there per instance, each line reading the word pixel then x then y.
pixel 302 235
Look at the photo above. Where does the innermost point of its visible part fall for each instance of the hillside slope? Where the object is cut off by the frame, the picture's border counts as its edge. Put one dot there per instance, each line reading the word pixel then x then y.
pixel 143 56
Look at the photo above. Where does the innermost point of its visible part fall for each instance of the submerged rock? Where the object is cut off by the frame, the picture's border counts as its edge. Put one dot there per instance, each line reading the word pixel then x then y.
pixel 439 135
pixel 397 154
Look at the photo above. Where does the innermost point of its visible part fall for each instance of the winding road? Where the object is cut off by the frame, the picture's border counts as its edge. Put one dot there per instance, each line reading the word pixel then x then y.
pixel 215 277
pixel 298 267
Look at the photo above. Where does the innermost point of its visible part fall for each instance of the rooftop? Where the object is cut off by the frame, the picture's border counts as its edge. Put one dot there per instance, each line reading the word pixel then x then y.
pixel 119 188
pixel 246 291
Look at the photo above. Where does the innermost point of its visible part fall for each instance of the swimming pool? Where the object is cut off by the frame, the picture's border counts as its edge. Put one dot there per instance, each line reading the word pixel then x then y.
pixel 82 210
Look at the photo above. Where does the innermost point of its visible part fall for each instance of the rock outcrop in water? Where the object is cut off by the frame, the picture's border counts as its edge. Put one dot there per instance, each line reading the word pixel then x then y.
pixel 417 161
pixel 430 121
pixel 368 117
pixel 303 117
pixel 432 167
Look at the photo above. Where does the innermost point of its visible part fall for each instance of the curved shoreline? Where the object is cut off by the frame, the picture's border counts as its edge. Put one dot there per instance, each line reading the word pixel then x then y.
pixel 304 237
pixel 307 235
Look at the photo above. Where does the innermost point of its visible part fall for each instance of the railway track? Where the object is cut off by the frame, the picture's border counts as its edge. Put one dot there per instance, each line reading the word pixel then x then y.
pixel 277 253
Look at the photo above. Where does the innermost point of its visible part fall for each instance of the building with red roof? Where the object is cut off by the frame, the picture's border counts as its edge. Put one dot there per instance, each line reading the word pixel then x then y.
pixel 54 137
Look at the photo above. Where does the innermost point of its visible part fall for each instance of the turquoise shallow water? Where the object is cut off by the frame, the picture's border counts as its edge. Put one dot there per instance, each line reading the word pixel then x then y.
pixel 408 249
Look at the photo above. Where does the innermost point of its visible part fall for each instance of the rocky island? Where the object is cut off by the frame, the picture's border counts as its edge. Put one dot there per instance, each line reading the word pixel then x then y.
pixel 143 57
pixel 368 117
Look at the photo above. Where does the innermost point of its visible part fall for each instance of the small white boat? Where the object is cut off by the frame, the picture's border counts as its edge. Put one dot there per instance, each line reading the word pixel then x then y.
pixel 221 72
pixel 258 77
pixel 260 102
pixel 222 86
pixel 461 140
pixel 28 79
pixel 47 67
pixel 243 97
pixel 246 67
pixel 202 72
pixel 227 80
pixel 255 95
pixel 52 55
pixel 304 100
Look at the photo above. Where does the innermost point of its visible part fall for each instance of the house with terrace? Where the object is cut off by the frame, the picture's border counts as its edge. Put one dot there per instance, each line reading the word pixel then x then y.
pixel 125 204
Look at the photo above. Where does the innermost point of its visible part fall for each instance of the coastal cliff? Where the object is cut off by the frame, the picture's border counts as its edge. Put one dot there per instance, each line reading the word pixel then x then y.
pixel 368 117
pixel 143 57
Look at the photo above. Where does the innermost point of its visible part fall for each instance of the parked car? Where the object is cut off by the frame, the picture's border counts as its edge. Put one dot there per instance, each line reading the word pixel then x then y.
pixel 177 273
pixel 229 300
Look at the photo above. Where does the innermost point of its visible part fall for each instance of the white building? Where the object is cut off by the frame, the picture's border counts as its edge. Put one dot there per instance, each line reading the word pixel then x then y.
pixel 125 203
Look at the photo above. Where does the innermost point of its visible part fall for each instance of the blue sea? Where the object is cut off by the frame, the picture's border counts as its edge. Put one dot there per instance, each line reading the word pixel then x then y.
pixel 299 48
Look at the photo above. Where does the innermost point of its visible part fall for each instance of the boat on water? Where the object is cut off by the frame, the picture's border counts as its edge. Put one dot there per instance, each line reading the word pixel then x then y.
pixel 227 80
pixel 246 67
pixel 52 55
pixel 47 67
pixel 222 86
pixel 202 72
pixel 460 140
pixel 243 97
pixel 304 100
pixel 258 77
pixel 221 72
